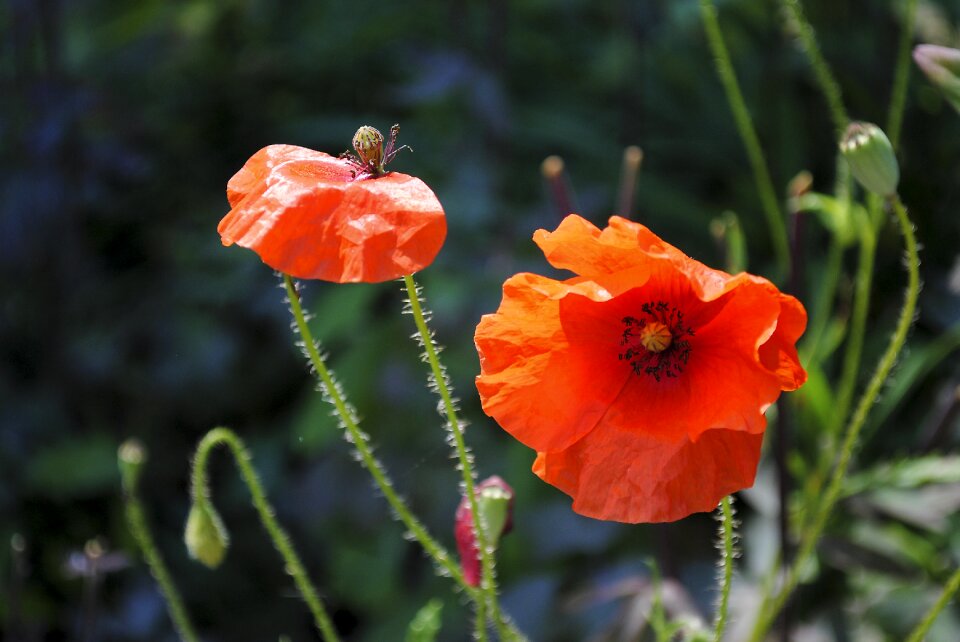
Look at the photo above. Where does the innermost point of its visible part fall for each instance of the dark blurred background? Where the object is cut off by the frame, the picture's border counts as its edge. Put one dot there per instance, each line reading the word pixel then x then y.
pixel 122 315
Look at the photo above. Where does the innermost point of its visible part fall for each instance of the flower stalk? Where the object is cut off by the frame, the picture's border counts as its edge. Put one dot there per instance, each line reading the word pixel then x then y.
pixel 748 134
pixel 439 381
pixel 812 533
pixel 356 436
pixel 728 542
pixel 200 492
pixel 131 458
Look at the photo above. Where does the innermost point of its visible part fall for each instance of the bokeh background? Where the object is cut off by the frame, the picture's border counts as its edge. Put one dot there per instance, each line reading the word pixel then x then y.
pixel 121 315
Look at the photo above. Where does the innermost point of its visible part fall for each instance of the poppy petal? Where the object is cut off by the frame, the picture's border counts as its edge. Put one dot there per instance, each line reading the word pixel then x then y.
pixel 531 370
pixel 629 477
pixel 306 215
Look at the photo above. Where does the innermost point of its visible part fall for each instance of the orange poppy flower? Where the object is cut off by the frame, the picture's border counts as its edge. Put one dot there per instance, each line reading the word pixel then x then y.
pixel 642 382
pixel 314 216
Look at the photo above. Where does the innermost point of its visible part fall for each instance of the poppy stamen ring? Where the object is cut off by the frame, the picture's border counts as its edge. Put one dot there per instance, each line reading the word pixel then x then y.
pixel 656 342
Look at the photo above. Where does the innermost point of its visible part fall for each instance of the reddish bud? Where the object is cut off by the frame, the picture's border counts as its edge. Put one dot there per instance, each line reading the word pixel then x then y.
pixel 495 503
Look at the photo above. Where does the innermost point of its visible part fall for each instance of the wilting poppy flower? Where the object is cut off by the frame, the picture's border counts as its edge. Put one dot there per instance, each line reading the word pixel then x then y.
pixel 495 503
pixel 643 381
pixel 314 216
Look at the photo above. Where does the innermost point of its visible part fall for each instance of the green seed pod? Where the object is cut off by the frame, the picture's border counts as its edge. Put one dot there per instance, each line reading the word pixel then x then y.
pixel 368 143
pixel 205 536
pixel 871 158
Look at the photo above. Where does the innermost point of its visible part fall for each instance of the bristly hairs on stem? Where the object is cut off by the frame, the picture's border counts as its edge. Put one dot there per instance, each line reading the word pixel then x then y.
pixel 132 456
pixel 729 551
pixel 200 492
pixel 333 394
pixel 814 527
pixel 447 406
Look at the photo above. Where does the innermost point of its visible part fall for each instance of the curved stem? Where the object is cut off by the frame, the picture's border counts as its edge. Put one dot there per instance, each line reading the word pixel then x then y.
pixel 137 522
pixel 281 541
pixel 898 98
pixel 953 585
pixel 439 380
pixel 359 440
pixel 828 84
pixel 812 534
pixel 768 197
pixel 727 531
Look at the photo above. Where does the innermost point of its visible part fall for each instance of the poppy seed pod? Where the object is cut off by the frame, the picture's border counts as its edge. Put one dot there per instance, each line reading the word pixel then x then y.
pixel 131 456
pixel 206 536
pixel 368 143
pixel 871 158
pixel 942 66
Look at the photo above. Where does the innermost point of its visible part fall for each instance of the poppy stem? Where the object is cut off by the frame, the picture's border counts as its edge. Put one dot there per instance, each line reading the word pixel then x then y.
pixel 335 397
pixel 951 588
pixel 821 70
pixel 200 492
pixel 727 527
pixel 439 381
pixel 811 534
pixel 137 523
pixel 748 134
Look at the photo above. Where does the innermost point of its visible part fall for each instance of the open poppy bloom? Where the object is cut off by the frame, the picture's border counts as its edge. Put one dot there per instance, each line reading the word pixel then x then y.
pixel 314 216
pixel 642 382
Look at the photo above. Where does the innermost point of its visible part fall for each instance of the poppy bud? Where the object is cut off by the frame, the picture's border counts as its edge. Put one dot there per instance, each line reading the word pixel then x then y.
pixel 495 503
pixel 942 66
pixel 131 456
pixel 205 536
pixel 368 143
pixel 871 158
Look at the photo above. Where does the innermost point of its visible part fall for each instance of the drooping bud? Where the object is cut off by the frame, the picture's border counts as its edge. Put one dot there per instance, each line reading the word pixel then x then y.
pixel 130 457
pixel 871 158
pixel 495 504
pixel 205 536
pixel 368 143
pixel 942 66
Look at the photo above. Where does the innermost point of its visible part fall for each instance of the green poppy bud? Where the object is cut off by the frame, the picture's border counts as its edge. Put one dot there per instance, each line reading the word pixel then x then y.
pixel 942 66
pixel 871 158
pixel 205 536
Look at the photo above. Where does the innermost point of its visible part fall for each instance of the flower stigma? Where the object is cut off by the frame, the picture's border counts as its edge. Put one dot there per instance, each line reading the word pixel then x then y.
pixel 656 342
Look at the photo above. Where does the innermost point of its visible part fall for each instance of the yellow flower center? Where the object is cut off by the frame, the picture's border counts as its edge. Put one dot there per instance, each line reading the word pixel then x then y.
pixel 655 337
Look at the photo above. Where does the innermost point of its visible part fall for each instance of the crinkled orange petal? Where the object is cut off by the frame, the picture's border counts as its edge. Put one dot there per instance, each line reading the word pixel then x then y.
pixel 628 477
pixel 306 215
pixel 779 354
pixel 538 382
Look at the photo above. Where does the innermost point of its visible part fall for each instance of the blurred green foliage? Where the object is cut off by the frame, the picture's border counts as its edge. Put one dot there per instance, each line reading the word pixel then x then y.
pixel 120 123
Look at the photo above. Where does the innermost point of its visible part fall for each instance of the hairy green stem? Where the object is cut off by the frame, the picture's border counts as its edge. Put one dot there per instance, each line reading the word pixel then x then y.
pixel 898 98
pixel 137 522
pixel 768 197
pixel 828 84
pixel 727 530
pixel 439 379
pixel 812 533
pixel 279 537
pixel 436 552
pixel 953 585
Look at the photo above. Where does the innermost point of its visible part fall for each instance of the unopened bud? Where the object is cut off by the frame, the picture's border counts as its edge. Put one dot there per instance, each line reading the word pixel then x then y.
pixel 942 66
pixel 495 504
pixel 205 536
pixel 871 158
pixel 368 143
pixel 130 457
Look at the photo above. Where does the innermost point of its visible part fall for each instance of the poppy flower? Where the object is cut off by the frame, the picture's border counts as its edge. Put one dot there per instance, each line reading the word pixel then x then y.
pixel 315 216
pixel 641 382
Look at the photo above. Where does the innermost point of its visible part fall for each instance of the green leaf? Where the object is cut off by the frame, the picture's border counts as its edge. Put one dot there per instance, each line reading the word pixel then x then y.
pixel 426 623
pixel 75 468
pixel 840 217
pixel 906 474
